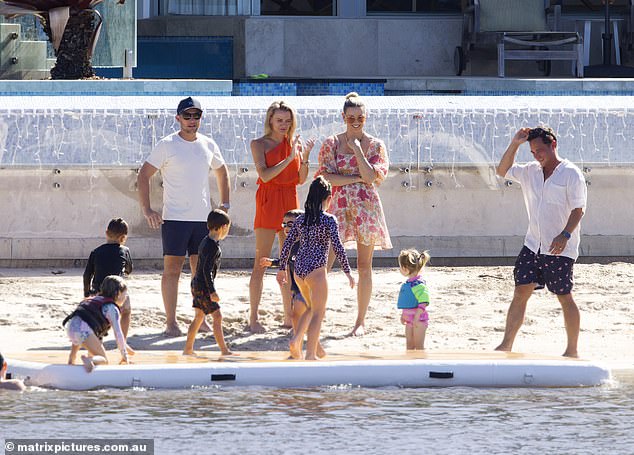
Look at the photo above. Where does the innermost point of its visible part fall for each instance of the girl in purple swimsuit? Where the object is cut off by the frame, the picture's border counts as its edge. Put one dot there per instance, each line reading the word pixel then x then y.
pixel 316 231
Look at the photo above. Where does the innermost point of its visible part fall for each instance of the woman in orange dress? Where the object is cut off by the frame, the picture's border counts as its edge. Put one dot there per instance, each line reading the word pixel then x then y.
pixel 355 163
pixel 281 165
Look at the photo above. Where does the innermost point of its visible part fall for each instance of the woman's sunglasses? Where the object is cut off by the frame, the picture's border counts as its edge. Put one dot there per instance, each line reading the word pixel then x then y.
pixel 288 224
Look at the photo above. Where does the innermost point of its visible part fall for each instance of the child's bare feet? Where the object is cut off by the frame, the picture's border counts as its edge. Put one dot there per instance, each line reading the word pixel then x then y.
pixel 88 363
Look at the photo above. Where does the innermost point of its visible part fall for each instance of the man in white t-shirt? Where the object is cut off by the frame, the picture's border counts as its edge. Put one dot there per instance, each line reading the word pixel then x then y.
pixel 184 159
pixel 555 195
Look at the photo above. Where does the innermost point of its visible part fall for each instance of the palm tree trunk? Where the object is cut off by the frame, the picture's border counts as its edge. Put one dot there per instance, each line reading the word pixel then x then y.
pixel 75 50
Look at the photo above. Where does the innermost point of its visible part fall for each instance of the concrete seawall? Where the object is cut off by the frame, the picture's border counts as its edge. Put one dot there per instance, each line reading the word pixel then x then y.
pixel 68 164
pixel 53 215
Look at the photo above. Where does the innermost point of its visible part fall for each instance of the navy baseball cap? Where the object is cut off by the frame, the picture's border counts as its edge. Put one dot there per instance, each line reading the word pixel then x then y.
pixel 188 103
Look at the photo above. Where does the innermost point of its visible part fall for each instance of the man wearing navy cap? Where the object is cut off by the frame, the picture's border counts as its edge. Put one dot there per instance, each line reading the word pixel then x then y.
pixel 184 159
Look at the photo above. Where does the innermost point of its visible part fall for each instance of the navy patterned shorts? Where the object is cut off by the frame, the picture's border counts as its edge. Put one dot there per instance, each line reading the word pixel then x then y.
pixel 203 302
pixel 555 272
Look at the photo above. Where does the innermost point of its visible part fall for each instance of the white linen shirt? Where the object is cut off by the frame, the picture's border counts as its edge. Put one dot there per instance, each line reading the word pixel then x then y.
pixel 549 203
pixel 184 166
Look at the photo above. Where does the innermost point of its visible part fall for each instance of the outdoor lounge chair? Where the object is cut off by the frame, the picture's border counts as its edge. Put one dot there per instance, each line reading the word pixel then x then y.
pixel 520 30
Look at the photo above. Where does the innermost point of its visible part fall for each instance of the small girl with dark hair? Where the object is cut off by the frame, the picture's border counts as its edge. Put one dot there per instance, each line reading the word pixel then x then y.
pixel 413 298
pixel 316 231
pixel 91 320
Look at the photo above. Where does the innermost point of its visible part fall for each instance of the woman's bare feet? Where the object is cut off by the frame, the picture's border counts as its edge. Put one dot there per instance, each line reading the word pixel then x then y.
pixel 296 349
pixel 321 352
pixel 256 327
pixel 173 331
pixel 358 331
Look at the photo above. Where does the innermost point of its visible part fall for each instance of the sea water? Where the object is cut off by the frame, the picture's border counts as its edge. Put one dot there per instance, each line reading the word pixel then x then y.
pixel 338 419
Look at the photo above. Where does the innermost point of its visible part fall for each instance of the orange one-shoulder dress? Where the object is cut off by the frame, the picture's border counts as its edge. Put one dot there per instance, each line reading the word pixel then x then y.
pixel 279 195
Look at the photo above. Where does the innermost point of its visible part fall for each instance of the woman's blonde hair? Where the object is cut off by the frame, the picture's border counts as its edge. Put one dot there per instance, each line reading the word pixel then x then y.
pixel 353 100
pixel 280 106
pixel 412 260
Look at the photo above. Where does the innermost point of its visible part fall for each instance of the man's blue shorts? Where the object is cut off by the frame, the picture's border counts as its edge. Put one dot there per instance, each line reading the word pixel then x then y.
pixel 182 237
pixel 553 271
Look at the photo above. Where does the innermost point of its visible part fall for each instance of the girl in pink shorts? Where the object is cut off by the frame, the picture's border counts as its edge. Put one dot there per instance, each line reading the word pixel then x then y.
pixel 413 298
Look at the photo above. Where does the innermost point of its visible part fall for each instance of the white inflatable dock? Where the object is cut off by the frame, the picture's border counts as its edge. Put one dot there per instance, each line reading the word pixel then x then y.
pixel 170 369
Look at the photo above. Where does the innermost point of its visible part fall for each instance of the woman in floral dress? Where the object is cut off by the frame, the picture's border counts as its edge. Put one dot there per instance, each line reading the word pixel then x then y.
pixel 355 163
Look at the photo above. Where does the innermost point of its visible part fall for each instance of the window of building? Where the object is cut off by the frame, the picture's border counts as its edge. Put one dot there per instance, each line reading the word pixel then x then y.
pixel 412 6
pixel 298 7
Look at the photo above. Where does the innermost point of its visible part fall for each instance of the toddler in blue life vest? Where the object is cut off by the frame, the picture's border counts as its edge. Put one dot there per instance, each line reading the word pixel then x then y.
pixel 413 298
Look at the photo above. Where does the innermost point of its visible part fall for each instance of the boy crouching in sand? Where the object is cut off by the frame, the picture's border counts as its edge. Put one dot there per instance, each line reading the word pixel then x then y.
pixel 203 287
pixel 89 323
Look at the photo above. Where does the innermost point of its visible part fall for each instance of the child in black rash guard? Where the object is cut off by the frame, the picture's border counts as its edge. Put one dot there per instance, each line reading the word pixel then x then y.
pixel 111 258
pixel 203 282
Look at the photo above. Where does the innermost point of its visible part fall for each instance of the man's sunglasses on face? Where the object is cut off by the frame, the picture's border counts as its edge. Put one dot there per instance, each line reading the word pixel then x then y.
pixel 190 115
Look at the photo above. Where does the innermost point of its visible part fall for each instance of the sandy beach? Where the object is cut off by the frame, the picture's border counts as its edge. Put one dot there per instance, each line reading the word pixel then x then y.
pixel 467 312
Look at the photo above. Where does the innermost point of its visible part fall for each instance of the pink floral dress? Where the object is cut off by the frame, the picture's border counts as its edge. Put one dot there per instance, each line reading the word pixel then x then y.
pixel 357 206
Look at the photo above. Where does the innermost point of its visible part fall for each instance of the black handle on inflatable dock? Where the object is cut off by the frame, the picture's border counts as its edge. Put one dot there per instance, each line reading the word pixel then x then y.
pixel 223 377
pixel 441 374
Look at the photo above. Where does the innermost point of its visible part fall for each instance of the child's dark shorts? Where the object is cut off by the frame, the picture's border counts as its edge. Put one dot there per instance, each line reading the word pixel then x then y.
pixel 203 302
pixel 181 238
pixel 553 271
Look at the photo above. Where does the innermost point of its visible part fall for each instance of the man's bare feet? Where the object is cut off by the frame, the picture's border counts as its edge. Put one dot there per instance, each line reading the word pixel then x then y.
pixel 296 349
pixel 503 348
pixel 310 357
pixel 256 327
pixel 321 352
pixel 172 332
pixel 189 352
pixel 227 352
pixel 205 327
pixel 129 350
pixel 88 363
pixel 573 354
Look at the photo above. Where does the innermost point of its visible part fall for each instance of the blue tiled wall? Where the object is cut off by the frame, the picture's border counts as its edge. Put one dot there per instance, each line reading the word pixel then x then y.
pixel 306 88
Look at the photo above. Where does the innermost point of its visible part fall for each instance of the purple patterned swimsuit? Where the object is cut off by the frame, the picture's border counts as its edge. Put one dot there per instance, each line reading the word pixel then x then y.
pixel 314 242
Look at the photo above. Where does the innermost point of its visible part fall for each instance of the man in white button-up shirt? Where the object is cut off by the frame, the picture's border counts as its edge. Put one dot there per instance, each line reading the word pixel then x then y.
pixel 555 196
